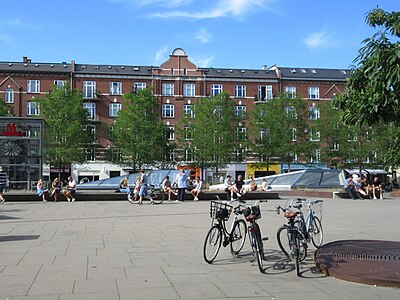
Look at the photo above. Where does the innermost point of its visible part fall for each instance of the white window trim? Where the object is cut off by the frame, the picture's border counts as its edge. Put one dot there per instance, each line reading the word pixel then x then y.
pixel 172 109
pixel 114 107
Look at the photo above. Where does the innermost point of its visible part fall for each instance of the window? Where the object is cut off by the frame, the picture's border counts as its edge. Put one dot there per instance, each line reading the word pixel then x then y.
pixel 90 153
pixel 313 92
pixel 294 134
pixel 188 133
pixel 335 146
pixel 189 90
pixel 168 89
pixel 313 113
pixel 91 130
pixel 291 112
pixel 241 133
pixel 240 91
pixel 316 156
pixel 263 133
pixel 170 155
pixel 138 86
pixel 115 88
pixel 9 96
pixel 169 133
pixel 113 109
pixel 187 111
pixel 167 111
pixel 315 135
pixel 290 91
pixel 240 155
pixel 240 111
pixel 352 136
pixel 264 92
pixel 189 155
pixel 32 109
pixel 89 88
pixel 91 107
pixel 60 83
pixel 216 89
pixel 33 86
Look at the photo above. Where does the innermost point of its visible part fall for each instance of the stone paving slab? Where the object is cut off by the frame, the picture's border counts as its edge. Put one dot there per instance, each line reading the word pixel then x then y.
pixel 115 250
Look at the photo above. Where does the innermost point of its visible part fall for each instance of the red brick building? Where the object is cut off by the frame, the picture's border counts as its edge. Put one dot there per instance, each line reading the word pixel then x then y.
pixel 177 84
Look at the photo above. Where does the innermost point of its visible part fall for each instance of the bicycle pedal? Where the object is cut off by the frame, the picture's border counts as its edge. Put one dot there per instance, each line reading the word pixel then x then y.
pixel 265 238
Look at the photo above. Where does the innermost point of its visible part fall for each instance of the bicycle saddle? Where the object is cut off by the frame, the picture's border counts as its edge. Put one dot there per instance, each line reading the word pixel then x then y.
pixel 290 214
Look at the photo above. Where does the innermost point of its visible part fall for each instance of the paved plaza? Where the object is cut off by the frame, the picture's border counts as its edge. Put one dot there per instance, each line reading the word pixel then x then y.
pixel 116 250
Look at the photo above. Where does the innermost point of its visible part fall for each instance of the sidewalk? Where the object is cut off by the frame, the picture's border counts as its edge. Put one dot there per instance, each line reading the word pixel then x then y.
pixel 116 250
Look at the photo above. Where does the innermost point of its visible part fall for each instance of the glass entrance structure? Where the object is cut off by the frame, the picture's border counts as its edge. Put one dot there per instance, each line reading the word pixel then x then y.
pixel 22 142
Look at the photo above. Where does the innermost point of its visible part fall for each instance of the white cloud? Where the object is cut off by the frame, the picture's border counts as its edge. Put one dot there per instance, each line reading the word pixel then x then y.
pixel 160 56
pixel 318 40
pixel 161 3
pixel 203 36
pixel 222 8
pixel 204 61
pixel 26 24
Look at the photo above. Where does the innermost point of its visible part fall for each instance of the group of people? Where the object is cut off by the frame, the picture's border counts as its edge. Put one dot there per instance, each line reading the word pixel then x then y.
pixel 177 187
pixel 237 188
pixel 57 189
pixel 362 189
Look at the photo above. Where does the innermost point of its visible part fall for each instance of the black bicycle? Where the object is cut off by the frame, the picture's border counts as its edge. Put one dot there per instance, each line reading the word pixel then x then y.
pixel 297 248
pixel 252 214
pixel 219 235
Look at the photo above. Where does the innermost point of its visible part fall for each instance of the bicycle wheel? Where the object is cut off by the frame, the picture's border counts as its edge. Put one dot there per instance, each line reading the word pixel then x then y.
pixel 283 238
pixel 212 244
pixel 238 236
pixel 317 233
pixel 258 249
pixel 156 195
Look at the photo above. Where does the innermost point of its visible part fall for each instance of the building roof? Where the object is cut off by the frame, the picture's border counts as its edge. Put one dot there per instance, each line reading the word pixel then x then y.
pixel 239 73
pixel 314 74
pixel 35 67
pixel 113 69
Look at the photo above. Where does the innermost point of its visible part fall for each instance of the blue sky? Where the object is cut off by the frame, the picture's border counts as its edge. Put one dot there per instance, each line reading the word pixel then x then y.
pixel 214 33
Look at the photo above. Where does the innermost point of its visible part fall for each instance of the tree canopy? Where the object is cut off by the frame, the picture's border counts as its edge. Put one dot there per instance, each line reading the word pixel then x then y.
pixel 137 133
pixel 372 93
pixel 63 111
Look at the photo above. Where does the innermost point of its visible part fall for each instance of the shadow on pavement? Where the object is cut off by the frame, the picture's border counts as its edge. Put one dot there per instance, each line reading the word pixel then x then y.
pixel 13 238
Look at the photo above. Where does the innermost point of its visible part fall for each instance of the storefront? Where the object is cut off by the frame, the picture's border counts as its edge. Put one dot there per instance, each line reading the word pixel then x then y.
pixel 21 150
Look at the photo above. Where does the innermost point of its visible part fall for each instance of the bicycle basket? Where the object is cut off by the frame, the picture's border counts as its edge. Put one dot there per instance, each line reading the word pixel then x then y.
pixel 220 211
pixel 252 212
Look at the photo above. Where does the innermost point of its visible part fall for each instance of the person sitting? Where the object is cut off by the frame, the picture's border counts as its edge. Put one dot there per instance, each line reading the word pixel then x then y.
pixel 358 188
pixel 377 189
pixel 197 188
pixel 56 186
pixel 366 187
pixel 69 192
pixel 167 188
pixel 41 190
pixel 227 186
pixel 263 186
pixel 124 188
pixel 240 184
pixel 349 188
pixel 253 185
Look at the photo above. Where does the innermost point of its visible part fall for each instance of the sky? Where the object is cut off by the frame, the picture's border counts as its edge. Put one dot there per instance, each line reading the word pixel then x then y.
pixel 214 33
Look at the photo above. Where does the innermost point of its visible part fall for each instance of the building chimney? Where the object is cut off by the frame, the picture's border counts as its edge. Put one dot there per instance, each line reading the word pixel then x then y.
pixel 264 67
pixel 25 59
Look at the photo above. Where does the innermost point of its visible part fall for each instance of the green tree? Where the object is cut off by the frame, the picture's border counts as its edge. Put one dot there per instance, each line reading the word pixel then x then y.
pixel 63 112
pixel 213 132
pixel 278 130
pixel 373 90
pixel 5 110
pixel 138 135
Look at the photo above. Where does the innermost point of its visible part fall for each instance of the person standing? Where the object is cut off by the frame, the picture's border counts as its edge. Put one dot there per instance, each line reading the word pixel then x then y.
pixel 180 180
pixel 3 182
pixel 143 186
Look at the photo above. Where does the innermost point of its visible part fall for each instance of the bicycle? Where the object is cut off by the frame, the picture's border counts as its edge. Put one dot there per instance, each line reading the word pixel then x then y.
pixel 252 214
pixel 310 226
pixel 297 245
pixel 153 193
pixel 218 233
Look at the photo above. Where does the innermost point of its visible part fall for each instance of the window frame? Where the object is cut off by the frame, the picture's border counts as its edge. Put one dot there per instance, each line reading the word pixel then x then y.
pixel 89 89
pixel 313 92
pixel 240 91
pixel 168 89
pixel 268 93
pixel 216 89
pixel 189 90
pixel 113 109
pixel 33 86
pixel 240 113
pixel 290 91
pixel 115 88
pixel 91 107
pixel 9 95
pixel 167 107
pixel 32 108
pixel 139 86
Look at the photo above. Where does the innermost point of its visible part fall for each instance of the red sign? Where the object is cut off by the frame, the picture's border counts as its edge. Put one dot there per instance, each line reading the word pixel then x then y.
pixel 11 130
